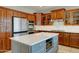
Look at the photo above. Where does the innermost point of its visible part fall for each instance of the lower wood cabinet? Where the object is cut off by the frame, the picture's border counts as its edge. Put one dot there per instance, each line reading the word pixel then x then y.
pixel 71 39
pixel 5 42
pixel 66 39
pixel 74 40
pixel 1 45
pixel 61 40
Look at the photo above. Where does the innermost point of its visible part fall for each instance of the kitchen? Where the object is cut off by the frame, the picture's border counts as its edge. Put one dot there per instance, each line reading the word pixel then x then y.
pixel 60 21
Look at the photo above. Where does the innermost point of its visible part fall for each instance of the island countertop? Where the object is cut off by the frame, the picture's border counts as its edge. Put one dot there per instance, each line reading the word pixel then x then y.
pixel 35 38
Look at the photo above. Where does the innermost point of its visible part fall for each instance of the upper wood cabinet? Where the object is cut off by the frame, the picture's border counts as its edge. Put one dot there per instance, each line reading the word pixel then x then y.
pixel 31 18
pixel 43 19
pixel 72 17
pixel 38 18
pixel 20 14
pixel 46 19
pixel 58 14
pixel 53 15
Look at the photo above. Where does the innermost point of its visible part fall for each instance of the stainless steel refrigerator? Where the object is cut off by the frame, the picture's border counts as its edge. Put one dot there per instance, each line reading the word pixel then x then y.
pixel 19 26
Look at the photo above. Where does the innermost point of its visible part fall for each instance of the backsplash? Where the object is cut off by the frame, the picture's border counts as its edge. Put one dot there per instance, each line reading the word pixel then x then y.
pixel 59 22
pixel 49 28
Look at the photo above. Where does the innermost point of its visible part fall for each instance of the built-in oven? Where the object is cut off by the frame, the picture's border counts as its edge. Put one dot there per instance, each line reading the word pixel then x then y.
pixel 31 25
pixel 49 44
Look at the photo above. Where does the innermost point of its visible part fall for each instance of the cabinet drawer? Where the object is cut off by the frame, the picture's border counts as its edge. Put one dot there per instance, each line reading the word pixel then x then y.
pixel 39 46
pixel 74 35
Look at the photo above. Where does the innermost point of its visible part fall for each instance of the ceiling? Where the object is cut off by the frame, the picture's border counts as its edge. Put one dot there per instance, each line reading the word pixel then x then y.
pixel 39 9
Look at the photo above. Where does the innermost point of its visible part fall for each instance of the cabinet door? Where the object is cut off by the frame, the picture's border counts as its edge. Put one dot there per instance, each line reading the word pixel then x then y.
pixel 2 29
pixel 39 48
pixel 2 42
pixel 53 15
pixel 66 39
pixel 1 45
pixel 61 39
pixel 9 28
pixel 60 14
pixel 74 40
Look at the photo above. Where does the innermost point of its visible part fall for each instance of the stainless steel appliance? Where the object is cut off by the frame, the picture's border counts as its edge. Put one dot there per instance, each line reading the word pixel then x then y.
pixel 19 26
pixel 31 27
pixel 49 44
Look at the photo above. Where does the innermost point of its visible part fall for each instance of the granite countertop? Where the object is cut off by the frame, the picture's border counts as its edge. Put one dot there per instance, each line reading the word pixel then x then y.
pixel 74 31
pixel 35 38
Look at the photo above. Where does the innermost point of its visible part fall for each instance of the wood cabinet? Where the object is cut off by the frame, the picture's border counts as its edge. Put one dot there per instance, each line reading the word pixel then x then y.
pixel 74 40
pixel 43 19
pixel 71 39
pixel 53 15
pixel 46 19
pixel 5 29
pixel 2 29
pixel 38 18
pixel 31 18
pixel 19 14
pixel 66 39
pixel 72 17
pixel 61 39
pixel 58 14
pixel 9 14
pixel 4 41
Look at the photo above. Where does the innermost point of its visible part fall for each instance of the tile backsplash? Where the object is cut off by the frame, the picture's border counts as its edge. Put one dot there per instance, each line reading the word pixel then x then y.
pixel 59 22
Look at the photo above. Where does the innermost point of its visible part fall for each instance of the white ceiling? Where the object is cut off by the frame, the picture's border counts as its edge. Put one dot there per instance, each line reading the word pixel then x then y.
pixel 39 9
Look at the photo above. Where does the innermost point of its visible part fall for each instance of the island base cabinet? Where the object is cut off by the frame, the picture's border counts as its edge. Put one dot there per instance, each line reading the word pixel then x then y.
pixel 55 44
pixel 18 47
pixel 39 48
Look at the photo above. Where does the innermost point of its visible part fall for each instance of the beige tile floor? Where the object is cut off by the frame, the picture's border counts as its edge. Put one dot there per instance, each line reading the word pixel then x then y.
pixel 64 49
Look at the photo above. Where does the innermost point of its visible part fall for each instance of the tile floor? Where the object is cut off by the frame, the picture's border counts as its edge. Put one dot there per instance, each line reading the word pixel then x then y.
pixel 64 49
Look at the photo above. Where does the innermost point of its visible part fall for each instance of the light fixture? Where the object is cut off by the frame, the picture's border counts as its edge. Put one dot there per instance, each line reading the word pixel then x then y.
pixel 41 6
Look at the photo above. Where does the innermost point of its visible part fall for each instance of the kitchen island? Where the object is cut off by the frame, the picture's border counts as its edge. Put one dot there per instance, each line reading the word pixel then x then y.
pixel 35 43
